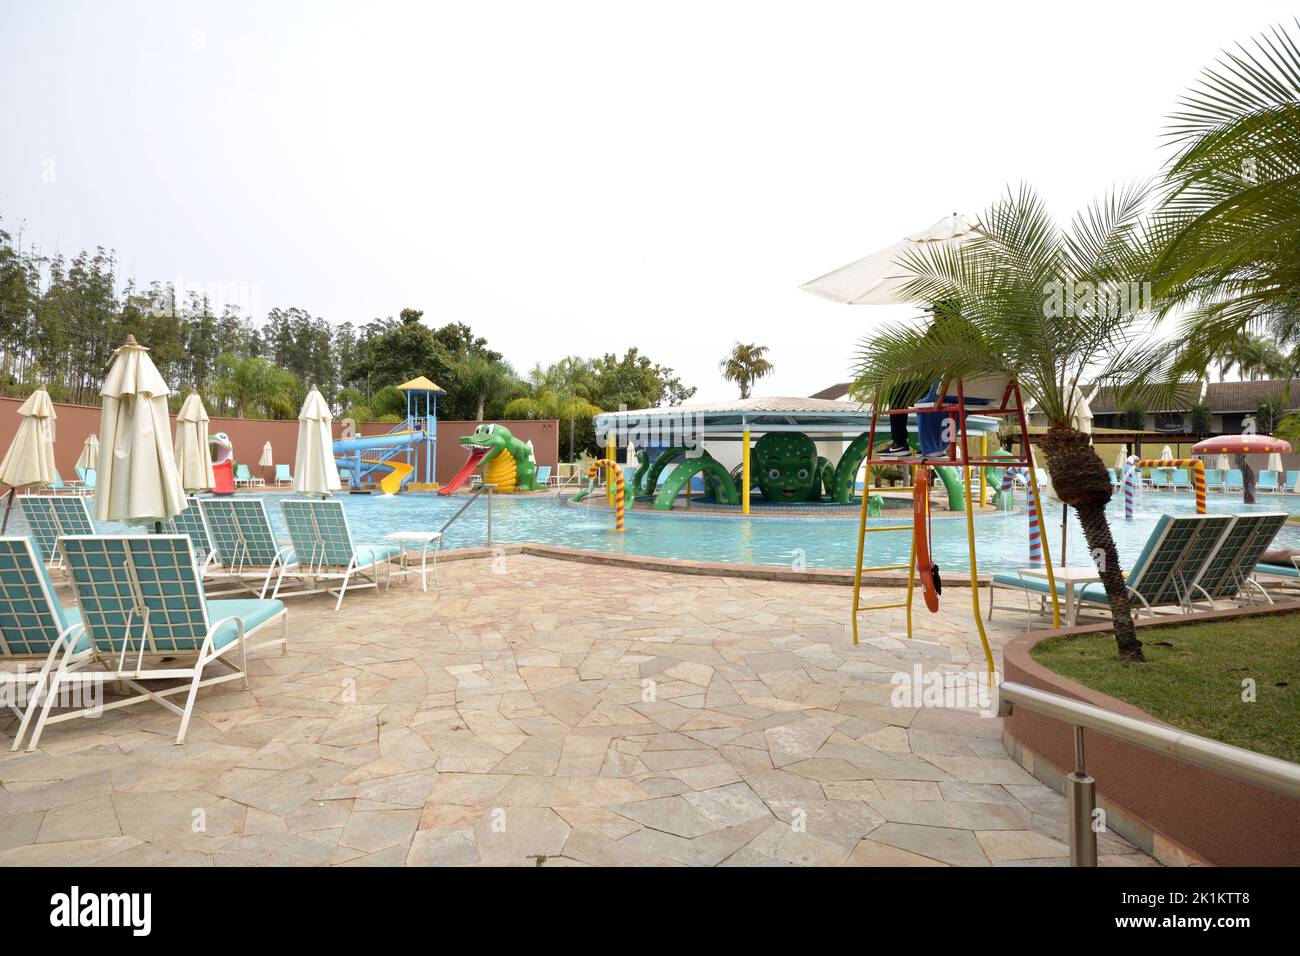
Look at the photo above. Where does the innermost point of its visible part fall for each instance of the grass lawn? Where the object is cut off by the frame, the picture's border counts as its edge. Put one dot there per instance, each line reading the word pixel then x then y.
pixel 1193 677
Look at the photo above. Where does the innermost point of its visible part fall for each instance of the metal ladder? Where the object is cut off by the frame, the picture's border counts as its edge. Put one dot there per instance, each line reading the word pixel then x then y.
pixel 958 455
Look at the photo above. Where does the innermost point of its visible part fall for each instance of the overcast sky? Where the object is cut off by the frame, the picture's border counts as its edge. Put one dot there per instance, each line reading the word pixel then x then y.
pixel 573 177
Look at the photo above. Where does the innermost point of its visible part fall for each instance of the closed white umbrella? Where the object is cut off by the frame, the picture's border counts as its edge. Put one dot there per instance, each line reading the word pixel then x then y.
pixel 30 458
pixel 1166 454
pixel 266 461
pixel 137 477
pixel 879 279
pixel 314 469
pixel 1121 460
pixel 1221 463
pixel 1275 463
pixel 193 456
pixel 89 453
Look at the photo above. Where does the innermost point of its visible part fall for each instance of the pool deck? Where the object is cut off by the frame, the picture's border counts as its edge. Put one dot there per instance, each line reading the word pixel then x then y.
pixel 533 712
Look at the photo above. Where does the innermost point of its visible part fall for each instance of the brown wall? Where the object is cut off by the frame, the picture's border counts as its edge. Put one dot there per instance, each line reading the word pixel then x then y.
pixel 1219 819
pixel 248 435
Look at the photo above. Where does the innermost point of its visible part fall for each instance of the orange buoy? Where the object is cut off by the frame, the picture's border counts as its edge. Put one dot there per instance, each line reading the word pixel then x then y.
pixel 928 571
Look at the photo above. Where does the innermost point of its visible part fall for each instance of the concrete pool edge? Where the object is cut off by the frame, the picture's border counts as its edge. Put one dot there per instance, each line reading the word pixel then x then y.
pixel 758 572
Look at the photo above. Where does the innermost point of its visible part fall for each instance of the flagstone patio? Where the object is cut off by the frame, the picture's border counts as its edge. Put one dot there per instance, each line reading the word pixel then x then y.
pixel 530 711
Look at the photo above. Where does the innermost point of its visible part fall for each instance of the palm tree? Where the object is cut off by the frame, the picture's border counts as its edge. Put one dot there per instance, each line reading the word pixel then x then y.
pixel 745 365
pixel 560 390
pixel 254 384
pixel 1230 218
pixel 1018 305
pixel 481 379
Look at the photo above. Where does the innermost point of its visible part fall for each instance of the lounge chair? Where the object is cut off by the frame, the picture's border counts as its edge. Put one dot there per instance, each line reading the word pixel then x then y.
pixel 143 608
pixel 1291 482
pixel 1114 478
pixel 1213 479
pixel 1268 481
pixel 1232 479
pixel 50 517
pixel 190 522
pixel 1165 571
pixel 322 542
pixel 243 542
pixel 87 476
pixel 34 628
pixel 543 475
pixel 1180 480
pixel 1162 479
pixel 1229 574
pixel 1162 574
pixel 283 476
pixel 245 480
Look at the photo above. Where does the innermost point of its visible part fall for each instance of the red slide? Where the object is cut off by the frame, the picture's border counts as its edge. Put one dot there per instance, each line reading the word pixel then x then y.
pixel 471 465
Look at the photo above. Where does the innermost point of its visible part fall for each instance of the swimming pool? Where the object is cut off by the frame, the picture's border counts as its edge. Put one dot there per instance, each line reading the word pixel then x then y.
pixel 1002 539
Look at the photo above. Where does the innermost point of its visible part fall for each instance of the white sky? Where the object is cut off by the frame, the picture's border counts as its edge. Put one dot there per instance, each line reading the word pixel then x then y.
pixel 574 177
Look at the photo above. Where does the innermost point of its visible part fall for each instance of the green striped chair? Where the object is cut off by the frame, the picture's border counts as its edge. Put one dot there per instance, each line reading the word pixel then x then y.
pixel 143 608
pixel 1165 571
pixel 1229 574
pixel 190 522
pixel 1161 576
pixel 49 517
pixel 322 544
pixel 34 628
pixel 243 542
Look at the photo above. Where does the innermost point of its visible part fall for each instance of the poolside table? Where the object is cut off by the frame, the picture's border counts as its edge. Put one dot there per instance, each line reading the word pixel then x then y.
pixel 1069 576
pixel 429 541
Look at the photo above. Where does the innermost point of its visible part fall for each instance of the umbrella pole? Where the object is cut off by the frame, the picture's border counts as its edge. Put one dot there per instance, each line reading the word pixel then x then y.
pixel 9 504
pixel 1065 527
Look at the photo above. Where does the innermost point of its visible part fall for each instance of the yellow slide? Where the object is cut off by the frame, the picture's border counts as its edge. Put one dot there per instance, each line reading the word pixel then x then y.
pixel 391 483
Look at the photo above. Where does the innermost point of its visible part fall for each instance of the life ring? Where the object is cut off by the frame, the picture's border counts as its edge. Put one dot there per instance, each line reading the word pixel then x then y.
pixel 928 571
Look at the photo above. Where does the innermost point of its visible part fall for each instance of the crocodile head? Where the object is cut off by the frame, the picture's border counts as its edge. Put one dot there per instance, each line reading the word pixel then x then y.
pixel 486 442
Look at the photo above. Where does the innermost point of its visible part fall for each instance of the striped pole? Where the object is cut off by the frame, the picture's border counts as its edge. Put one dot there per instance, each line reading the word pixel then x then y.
pixel 1035 533
pixel 594 471
pixel 1128 493
pixel 1198 474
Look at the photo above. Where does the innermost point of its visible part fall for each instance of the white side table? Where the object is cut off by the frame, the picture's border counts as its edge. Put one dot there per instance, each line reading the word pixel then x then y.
pixel 428 541
pixel 1069 576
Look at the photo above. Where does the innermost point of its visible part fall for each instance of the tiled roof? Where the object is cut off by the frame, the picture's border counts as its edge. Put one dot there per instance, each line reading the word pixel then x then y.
pixel 1221 396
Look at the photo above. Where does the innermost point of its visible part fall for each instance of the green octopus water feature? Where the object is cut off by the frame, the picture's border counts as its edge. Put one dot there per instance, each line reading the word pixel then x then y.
pixel 787 468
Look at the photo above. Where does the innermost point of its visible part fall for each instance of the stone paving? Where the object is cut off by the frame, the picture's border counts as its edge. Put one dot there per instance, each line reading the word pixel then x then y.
pixel 530 712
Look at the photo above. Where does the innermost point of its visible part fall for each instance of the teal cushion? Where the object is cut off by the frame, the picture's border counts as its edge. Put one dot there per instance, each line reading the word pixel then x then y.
pixel 1039 585
pixel 253 611
pixel 71 616
pixel 1281 570
pixel 368 554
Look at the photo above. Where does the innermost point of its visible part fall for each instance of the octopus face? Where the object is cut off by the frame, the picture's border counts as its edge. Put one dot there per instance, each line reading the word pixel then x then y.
pixel 785 466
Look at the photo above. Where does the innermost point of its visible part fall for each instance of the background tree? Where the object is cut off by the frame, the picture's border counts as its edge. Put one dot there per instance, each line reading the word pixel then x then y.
pixel 745 365
pixel 1229 223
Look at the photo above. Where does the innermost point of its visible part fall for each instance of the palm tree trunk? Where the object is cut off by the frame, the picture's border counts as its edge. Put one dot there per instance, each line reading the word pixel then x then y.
pixel 1096 531
pixel 1082 482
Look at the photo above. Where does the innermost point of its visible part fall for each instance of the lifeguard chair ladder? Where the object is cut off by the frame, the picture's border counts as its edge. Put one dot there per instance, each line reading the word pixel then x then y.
pixel 958 454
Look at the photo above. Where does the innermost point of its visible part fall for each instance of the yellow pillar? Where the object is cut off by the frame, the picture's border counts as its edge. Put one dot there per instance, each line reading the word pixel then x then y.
pixel 744 473
pixel 984 456
pixel 610 451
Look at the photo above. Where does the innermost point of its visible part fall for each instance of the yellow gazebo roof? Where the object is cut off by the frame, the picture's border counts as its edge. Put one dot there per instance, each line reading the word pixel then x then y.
pixel 419 384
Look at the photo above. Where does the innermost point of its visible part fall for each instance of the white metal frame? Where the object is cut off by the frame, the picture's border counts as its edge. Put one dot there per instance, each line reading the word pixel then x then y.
pixel 128 674
pixel 315 573
pixel 424 539
pixel 236 569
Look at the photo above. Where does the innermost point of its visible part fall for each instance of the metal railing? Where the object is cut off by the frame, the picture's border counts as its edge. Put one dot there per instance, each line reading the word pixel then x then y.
pixel 473 497
pixel 1269 773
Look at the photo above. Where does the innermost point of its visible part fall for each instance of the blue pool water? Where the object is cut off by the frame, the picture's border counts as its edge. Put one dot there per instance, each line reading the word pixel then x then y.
pixel 1002 539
